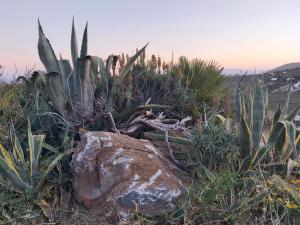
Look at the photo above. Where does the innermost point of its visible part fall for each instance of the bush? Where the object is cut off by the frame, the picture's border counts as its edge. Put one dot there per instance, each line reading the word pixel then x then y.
pixel 204 78
pixel 214 146
pixel 163 89
pixel 11 110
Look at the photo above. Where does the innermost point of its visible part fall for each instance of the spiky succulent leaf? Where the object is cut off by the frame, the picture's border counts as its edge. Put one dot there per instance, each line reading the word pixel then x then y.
pixel 84 44
pixel 102 78
pixel 56 93
pixel 46 53
pixel 237 101
pixel 287 102
pixel 276 117
pixel 258 116
pixel 293 114
pixel 8 170
pixel 18 155
pixel 66 70
pixel 245 139
pixel 260 155
pixel 87 84
pixel 220 119
pixel 50 168
pixel 291 134
pixel 35 148
pixel 74 46
pixel 131 61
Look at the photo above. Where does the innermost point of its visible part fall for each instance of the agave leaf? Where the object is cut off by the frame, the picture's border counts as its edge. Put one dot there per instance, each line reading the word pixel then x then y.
pixel 275 133
pixel 56 92
pixel 245 139
pixel 260 155
pixel 87 86
pixel 65 69
pixel 291 134
pixel 17 149
pixel 46 53
pixel 220 119
pixel 50 168
pixel 35 147
pixel 287 101
pixel 102 80
pixel 49 147
pixel 250 106
pixel 266 97
pixel 74 46
pixel 276 117
pixel 293 114
pixel 297 141
pixel 108 63
pixel 74 86
pixel 161 137
pixel 258 116
pixel 237 101
pixel 281 146
pixel 84 44
pixel 238 106
pixel 18 155
pixel 131 61
pixel 8 169
pixel 243 106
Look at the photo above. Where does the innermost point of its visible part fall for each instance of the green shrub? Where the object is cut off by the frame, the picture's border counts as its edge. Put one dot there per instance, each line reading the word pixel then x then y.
pixel 204 78
pixel 27 173
pixel 163 89
pixel 214 146
pixel 11 110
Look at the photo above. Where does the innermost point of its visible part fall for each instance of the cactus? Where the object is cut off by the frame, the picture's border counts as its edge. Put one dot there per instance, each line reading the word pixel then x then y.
pixel 282 134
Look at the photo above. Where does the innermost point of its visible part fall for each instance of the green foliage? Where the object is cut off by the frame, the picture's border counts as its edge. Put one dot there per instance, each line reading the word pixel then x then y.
pixel 27 174
pixel 71 91
pixel 250 128
pixel 14 207
pixel 214 146
pixel 204 78
pixel 11 109
pixel 226 197
pixel 163 89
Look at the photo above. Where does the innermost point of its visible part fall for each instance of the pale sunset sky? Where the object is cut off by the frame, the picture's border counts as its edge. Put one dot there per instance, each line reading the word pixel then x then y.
pixel 238 34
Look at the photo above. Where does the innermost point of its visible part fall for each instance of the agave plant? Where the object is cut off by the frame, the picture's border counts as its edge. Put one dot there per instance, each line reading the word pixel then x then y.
pixel 250 118
pixel 27 175
pixel 70 90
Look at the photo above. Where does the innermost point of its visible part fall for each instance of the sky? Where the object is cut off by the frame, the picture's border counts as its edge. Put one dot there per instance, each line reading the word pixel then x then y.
pixel 238 34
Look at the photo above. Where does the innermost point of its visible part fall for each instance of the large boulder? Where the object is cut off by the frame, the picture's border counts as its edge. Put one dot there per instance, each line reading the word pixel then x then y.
pixel 130 174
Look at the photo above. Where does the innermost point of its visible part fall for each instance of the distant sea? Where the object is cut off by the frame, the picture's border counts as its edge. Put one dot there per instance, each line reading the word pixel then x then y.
pixel 234 72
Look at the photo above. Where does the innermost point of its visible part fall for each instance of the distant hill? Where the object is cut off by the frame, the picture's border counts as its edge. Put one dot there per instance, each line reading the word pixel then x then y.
pixel 288 66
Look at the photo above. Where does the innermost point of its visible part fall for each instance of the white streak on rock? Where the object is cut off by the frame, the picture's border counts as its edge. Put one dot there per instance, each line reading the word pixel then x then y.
pixel 92 143
pixel 152 148
pixel 170 195
pixel 150 182
pixel 106 137
pixel 136 177
pixel 150 156
pixel 118 152
pixel 122 160
pixel 107 144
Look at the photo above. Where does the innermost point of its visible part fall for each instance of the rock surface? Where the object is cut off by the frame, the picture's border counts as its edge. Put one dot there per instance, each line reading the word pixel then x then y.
pixel 128 173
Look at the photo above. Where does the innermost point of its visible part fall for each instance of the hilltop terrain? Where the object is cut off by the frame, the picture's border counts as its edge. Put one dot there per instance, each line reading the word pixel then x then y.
pixel 277 81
